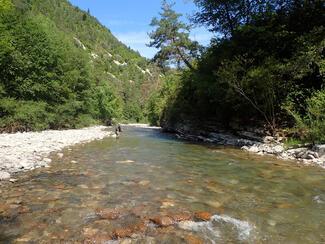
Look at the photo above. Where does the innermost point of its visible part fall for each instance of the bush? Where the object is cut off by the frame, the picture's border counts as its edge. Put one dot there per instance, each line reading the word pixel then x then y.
pixel 23 115
pixel 311 126
pixel 315 118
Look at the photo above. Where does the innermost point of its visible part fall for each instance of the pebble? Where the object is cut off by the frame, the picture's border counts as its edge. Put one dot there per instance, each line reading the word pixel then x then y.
pixel 167 204
pixel 4 175
pixel 60 155
pixel 26 151
pixel 125 162
pixel 214 204
pixel 47 160
pixel 144 182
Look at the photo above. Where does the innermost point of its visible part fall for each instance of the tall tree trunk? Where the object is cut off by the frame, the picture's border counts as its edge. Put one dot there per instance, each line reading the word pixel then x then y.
pixel 188 64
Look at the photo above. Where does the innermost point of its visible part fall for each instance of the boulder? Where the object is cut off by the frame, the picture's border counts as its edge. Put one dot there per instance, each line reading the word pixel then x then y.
pixel 269 139
pixel 278 149
pixel 320 149
pixel 254 149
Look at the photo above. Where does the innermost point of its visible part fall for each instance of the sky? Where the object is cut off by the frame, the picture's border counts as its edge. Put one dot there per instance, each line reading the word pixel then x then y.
pixel 129 20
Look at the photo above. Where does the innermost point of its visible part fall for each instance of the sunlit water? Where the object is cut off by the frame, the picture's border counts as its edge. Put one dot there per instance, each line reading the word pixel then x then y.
pixel 145 173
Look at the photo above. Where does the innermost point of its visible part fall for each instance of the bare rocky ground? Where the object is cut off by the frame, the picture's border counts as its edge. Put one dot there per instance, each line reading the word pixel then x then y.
pixel 27 151
pixel 252 142
pixel 314 155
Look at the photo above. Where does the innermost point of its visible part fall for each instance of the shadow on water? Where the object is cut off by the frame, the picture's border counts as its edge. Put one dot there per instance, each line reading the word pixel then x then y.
pixel 115 187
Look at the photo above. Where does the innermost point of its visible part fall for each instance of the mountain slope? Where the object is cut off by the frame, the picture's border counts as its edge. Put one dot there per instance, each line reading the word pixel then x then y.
pixel 67 69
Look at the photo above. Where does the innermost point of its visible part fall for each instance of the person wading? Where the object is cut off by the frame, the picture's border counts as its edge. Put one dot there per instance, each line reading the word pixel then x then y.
pixel 118 130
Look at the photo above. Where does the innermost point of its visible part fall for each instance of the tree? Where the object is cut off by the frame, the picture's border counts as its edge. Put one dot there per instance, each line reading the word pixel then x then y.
pixel 171 37
pixel 226 16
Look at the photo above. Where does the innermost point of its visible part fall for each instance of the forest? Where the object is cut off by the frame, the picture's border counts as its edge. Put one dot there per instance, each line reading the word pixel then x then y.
pixel 264 68
pixel 60 68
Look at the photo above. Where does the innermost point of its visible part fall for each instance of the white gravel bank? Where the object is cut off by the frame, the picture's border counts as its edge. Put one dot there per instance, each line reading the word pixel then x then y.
pixel 145 126
pixel 27 151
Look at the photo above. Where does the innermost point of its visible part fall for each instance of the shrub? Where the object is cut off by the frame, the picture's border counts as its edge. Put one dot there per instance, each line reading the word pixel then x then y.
pixel 315 118
pixel 23 115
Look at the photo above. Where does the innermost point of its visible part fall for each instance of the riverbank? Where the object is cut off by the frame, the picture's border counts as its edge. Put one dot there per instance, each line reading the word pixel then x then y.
pixel 144 126
pixel 27 151
pixel 253 142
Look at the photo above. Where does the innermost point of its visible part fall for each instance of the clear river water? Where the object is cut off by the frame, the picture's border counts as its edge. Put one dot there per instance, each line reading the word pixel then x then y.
pixel 115 187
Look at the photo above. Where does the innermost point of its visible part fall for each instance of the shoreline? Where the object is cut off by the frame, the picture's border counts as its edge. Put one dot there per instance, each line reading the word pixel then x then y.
pixel 252 143
pixel 26 151
pixel 30 150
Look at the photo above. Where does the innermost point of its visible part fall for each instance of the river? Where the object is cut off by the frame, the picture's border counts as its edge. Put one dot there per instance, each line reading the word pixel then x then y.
pixel 145 173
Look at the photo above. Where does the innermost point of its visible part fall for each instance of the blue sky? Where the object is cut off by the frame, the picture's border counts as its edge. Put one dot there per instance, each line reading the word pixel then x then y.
pixel 129 20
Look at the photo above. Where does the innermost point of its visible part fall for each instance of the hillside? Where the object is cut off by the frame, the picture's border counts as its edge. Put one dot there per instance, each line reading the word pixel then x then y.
pixel 66 69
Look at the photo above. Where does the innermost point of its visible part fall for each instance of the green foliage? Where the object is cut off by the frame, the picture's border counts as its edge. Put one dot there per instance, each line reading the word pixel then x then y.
pixel 159 100
pixel 315 117
pixel 108 105
pixel 66 69
pixel 171 37
pixel 248 76
pixel 23 115
pixel 5 5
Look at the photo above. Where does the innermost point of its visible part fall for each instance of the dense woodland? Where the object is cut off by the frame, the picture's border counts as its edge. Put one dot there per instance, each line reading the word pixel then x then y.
pixel 265 68
pixel 60 68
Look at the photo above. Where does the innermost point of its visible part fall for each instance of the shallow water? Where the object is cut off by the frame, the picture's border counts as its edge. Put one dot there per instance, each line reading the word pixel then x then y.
pixel 144 174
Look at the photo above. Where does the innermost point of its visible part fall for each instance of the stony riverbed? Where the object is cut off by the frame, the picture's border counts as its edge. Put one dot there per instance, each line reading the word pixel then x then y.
pixel 148 187
pixel 27 151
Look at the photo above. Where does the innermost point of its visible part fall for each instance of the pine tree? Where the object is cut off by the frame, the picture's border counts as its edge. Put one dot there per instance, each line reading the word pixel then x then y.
pixel 171 37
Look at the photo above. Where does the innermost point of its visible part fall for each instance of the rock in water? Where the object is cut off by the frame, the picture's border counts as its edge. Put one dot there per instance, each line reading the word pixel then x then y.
pixel 110 214
pixel 205 216
pixel 4 175
pixel 125 162
pixel 162 221
pixel 122 233
pixel 181 217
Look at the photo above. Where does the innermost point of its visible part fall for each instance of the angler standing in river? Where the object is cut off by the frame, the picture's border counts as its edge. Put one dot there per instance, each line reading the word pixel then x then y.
pixel 118 130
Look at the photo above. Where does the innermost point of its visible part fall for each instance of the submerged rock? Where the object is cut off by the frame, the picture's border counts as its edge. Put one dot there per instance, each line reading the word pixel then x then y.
pixel 180 217
pixel 109 214
pixel 205 216
pixel 191 239
pixel 125 162
pixel 144 182
pixel 167 203
pixel 98 239
pixel 122 233
pixel 162 221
